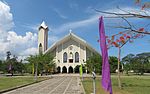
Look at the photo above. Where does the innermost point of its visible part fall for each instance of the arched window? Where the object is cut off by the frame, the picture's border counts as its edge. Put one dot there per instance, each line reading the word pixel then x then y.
pixel 71 55
pixel 76 57
pixel 65 57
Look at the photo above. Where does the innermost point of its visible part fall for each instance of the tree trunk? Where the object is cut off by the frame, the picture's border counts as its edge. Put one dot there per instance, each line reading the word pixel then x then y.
pixel 119 81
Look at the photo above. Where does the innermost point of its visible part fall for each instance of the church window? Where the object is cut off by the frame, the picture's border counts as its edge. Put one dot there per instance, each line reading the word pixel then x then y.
pixel 76 57
pixel 65 57
pixel 71 55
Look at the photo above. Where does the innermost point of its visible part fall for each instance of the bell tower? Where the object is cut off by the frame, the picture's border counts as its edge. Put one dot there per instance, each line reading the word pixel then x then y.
pixel 42 37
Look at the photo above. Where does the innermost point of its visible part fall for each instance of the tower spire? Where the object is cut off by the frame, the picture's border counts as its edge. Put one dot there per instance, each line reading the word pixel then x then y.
pixel 43 37
pixel 43 25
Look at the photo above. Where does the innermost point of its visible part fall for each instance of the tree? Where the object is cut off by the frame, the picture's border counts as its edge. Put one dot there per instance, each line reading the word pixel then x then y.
pixel 1 65
pixel 28 68
pixel 41 63
pixel 127 62
pixel 8 55
pixel 49 65
pixel 129 33
pixel 141 14
pixel 12 65
pixel 142 62
pixel 94 63
pixel 113 63
pixel 138 63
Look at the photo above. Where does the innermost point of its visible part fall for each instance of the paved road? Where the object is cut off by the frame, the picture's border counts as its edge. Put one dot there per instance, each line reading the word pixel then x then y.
pixel 56 85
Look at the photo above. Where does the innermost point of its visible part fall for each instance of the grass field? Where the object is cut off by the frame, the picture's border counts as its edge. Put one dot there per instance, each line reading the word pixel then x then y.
pixel 130 85
pixel 11 82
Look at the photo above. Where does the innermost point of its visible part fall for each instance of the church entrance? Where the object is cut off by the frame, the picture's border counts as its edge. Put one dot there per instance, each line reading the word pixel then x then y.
pixel 64 70
pixel 58 69
pixel 70 69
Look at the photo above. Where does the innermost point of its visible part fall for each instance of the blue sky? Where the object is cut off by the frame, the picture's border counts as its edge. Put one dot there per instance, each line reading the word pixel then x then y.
pixel 24 16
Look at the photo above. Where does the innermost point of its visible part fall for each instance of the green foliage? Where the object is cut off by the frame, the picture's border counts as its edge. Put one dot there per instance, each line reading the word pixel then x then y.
pixel 94 62
pixel 138 63
pixel 113 61
pixel 28 67
pixel 16 66
pixel 127 62
pixel 1 66
pixel 44 62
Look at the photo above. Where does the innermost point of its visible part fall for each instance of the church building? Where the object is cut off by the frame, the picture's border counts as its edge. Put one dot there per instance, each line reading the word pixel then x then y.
pixel 69 52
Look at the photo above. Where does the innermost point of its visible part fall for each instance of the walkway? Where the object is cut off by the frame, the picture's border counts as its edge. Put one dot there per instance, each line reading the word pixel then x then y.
pixel 56 85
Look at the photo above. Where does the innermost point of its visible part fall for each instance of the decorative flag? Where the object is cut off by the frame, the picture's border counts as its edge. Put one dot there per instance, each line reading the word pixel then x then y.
pixel 81 72
pixel 33 68
pixel 106 80
pixel 10 67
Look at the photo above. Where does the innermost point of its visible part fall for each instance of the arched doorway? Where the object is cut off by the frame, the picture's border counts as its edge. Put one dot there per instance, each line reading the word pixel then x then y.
pixel 64 70
pixel 76 69
pixel 58 69
pixel 84 69
pixel 40 48
pixel 70 69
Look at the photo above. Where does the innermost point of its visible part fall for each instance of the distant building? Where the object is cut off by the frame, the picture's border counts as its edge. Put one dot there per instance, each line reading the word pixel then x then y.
pixel 69 52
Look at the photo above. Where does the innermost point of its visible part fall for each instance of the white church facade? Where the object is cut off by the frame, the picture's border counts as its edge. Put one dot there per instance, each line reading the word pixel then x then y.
pixel 69 52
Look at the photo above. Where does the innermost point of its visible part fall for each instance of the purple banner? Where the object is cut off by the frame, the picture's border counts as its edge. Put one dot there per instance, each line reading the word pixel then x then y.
pixel 106 80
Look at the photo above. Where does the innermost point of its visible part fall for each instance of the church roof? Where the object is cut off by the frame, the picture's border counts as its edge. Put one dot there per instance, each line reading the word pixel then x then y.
pixel 74 37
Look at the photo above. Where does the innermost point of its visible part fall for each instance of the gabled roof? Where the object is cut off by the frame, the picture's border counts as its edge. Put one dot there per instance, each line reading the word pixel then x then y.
pixel 74 37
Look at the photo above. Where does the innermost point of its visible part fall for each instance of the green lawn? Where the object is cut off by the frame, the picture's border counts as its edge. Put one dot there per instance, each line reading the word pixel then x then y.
pixel 11 82
pixel 131 85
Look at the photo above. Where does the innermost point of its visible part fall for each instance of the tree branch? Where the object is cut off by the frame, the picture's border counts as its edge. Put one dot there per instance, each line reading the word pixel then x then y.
pixel 125 15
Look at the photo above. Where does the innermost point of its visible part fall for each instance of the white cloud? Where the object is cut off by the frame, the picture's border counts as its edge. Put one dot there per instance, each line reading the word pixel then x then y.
pixel 6 21
pixel 29 51
pixel 94 19
pixel 74 5
pixel 59 13
pixel 77 24
pixel 52 39
pixel 9 40
pixel 31 27
pixel 29 38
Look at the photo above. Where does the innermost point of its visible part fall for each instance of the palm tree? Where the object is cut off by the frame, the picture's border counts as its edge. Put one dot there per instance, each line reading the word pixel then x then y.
pixel 41 62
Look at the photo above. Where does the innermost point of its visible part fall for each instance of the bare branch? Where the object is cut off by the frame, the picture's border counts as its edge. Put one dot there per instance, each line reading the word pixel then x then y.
pixel 124 43
pixel 127 22
pixel 136 31
pixel 142 32
pixel 125 15
pixel 133 30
